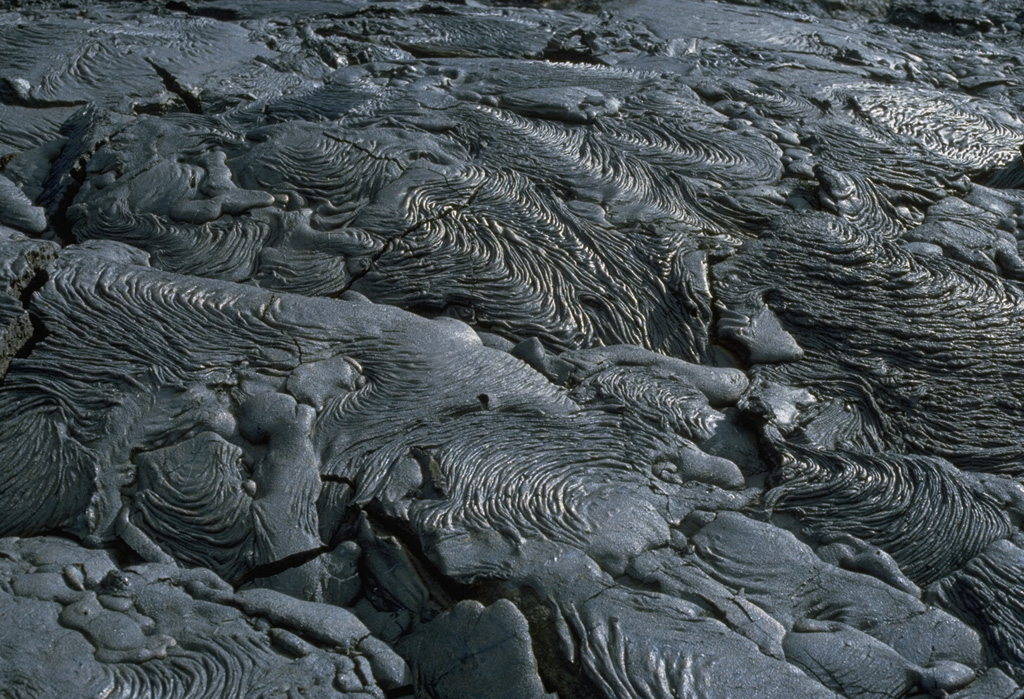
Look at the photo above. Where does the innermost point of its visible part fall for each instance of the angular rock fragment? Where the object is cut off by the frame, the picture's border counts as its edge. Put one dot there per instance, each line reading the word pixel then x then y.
pixel 22 260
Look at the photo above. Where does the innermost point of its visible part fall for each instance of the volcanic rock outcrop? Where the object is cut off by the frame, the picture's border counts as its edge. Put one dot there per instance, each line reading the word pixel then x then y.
pixel 645 349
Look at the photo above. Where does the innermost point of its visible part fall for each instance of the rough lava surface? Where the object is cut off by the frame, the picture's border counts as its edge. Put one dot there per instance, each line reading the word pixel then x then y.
pixel 648 348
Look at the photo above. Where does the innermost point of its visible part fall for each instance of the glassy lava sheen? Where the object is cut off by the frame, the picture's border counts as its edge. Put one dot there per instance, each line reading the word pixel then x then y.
pixel 651 348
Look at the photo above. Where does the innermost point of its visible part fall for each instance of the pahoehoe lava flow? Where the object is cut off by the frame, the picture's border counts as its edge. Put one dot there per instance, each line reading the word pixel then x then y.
pixel 510 349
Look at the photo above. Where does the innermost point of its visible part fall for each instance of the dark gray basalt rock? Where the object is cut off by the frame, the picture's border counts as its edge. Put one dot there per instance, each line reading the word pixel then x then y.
pixel 22 264
pixel 384 349
pixel 102 629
